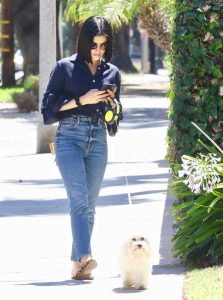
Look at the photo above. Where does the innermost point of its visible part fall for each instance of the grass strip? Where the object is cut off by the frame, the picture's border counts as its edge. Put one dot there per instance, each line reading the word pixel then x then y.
pixel 204 284
pixel 7 95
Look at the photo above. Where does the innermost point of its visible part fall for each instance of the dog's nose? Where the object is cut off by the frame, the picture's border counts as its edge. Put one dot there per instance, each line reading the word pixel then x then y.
pixel 139 246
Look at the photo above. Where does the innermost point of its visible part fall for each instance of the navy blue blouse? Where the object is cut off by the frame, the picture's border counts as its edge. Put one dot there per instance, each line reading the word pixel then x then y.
pixel 72 78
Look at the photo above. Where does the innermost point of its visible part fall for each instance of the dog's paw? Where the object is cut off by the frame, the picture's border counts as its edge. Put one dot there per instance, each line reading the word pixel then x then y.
pixel 142 287
pixel 126 284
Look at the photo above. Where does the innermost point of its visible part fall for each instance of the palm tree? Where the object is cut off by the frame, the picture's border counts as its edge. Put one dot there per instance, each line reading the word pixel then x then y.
pixel 153 15
pixel 7 49
pixel 154 18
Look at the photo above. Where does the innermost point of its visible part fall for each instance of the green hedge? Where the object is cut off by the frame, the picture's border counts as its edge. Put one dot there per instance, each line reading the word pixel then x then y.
pixel 196 96
pixel 196 76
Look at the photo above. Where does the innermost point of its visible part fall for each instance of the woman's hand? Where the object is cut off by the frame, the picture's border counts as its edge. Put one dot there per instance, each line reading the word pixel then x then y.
pixel 110 98
pixel 93 97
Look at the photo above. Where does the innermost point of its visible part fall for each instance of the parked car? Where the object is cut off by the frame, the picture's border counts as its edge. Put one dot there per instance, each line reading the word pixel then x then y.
pixel 18 60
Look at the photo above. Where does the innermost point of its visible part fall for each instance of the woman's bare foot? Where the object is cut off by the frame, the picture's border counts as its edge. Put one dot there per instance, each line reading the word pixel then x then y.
pixel 76 268
pixel 87 264
pixel 84 258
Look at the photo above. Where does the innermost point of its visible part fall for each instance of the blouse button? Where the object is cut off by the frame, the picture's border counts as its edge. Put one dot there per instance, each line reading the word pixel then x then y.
pixel 93 80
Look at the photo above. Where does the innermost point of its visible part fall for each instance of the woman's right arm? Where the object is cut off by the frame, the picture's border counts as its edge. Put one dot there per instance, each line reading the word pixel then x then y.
pixel 91 97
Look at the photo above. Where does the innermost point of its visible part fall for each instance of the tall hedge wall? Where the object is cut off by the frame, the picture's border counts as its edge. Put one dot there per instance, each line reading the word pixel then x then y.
pixel 197 76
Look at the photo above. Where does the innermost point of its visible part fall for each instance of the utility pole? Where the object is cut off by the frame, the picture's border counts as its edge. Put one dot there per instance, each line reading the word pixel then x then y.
pixel 7 47
pixel 47 60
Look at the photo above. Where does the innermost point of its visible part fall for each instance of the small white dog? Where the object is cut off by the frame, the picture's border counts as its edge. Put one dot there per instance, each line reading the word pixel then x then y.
pixel 135 263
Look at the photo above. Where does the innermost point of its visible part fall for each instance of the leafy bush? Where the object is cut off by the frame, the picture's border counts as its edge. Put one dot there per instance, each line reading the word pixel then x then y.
pixel 31 83
pixel 196 96
pixel 198 220
pixel 28 101
pixel 197 76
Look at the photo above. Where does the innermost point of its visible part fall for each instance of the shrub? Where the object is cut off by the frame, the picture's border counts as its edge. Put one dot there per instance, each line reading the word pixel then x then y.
pixel 32 83
pixel 198 221
pixel 196 96
pixel 28 101
pixel 197 76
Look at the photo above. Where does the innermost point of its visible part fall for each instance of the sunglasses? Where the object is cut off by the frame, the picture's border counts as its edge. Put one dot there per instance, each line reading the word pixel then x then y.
pixel 102 46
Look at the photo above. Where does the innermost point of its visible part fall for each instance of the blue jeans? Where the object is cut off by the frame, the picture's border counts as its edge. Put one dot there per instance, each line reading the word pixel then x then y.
pixel 81 156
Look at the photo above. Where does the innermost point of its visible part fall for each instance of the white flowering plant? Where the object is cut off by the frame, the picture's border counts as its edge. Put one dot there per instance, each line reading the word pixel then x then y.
pixel 200 173
pixel 198 210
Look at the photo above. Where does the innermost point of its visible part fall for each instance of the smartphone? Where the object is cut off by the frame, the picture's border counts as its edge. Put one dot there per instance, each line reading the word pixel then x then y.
pixel 109 86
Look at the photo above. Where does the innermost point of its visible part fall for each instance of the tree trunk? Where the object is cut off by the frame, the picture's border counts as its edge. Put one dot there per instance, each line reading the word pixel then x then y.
pixel 26 15
pixel 152 57
pixel 121 56
pixel 8 66
pixel 72 34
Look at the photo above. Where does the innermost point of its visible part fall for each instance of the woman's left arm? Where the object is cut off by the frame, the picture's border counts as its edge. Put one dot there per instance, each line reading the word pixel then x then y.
pixel 114 98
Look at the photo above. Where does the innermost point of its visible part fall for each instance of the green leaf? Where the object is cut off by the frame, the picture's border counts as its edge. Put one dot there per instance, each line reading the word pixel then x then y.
pixel 218 186
pixel 217 45
pixel 209 234
pixel 200 201
pixel 216 71
pixel 182 205
pixel 212 204
pixel 218 193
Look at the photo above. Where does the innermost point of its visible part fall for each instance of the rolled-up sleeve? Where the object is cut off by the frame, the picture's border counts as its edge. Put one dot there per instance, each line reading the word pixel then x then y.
pixel 53 99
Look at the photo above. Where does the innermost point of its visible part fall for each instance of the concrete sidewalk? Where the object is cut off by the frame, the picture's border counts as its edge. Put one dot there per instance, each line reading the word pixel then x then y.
pixel 35 225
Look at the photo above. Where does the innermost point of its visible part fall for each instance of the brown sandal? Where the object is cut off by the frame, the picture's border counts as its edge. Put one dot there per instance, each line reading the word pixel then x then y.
pixel 80 276
pixel 88 266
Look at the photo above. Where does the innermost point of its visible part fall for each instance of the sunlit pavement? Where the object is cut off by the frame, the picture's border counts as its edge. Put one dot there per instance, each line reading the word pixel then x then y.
pixel 34 214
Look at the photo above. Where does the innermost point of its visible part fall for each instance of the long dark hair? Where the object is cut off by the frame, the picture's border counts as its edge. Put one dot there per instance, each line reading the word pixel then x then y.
pixel 93 26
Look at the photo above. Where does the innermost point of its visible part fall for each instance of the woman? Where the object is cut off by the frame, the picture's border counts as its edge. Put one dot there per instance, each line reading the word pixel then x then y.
pixel 74 98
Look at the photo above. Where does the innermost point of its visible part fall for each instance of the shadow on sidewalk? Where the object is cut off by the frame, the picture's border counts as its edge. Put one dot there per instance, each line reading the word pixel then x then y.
pixel 167 264
pixel 139 118
pixel 131 89
pixel 70 282
pixel 122 290
pixel 53 203
pixel 29 207
pixel 114 182
pixel 12 112
pixel 167 270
